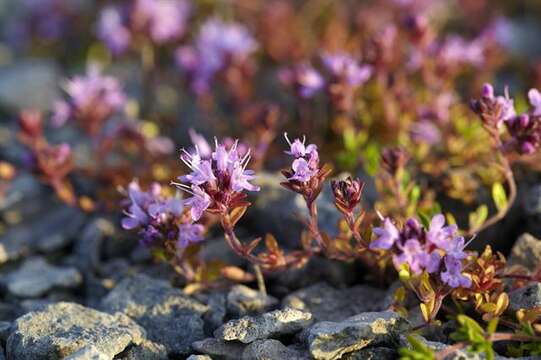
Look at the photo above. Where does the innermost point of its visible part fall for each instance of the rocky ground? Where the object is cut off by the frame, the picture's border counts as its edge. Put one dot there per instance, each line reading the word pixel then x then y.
pixel 74 286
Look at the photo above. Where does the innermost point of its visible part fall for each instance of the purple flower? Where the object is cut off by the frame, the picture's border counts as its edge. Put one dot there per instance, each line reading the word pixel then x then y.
pixel 425 131
pixel 306 163
pixel 453 275
pixel 165 20
pixel 309 81
pixel 387 235
pixel 413 254
pixel 534 97
pixel 298 148
pixel 217 45
pixel 202 146
pixel 189 234
pixel 342 65
pixel 199 202
pixel 112 30
pixel 441 236
pixel 94 96
pixel 456 50
pixel 302 170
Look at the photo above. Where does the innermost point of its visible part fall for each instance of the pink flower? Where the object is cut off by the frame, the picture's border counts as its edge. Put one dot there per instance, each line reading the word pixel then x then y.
pixel 386 235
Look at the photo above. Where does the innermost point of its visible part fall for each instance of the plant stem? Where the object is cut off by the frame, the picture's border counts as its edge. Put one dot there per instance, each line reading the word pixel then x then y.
pixel 510 178
pixel 313 225
pixel 260 279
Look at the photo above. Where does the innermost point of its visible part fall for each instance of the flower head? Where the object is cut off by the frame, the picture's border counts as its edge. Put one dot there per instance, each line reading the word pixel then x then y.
pixel 164 20
pixel 112 30
pixel 534 97
pixel 92 99
pixel 218 182
pixel 217 45
pixel 494 110
pixel 347 194
pixel 343 66
pixel 306 163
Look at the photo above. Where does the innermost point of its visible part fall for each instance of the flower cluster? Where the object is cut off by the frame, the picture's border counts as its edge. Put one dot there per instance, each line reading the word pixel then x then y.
pixel 437 250
pixel 524 129
pixel 345 75
pixel 216 183
pixel 160 21
pixel 51 162
pixel 93 98
pixel 159 218
pixel 218 45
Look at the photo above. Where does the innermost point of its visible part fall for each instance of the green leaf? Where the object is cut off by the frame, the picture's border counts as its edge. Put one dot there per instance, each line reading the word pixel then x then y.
pixel 478 217
pixel 499 196
pixel 425 218
pixel 418 351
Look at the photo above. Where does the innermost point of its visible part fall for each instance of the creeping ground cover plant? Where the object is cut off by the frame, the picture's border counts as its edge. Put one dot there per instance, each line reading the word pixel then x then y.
pixel 389 145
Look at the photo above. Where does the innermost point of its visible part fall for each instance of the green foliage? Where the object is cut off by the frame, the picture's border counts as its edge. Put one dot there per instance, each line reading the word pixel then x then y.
pixel 478 217
pixel 477 338
pixel 499 196
pixel 532 348
pixel 418 351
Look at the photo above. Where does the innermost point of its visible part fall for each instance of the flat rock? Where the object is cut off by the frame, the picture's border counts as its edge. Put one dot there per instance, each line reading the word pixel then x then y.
pixel 168 316
pixel 29 84
pixel 65 328
pixel 526 252
pixel 36 277
pixel 219 349
pixel 198 357
pixel 271 349
pixel 271 324
pixel 242 300
pixel 147 350
pixel 377 353
pixel 50 232
pixel 329 304
pixel 214 318
pixel 88 353
pixel 331 340
pixel 527 297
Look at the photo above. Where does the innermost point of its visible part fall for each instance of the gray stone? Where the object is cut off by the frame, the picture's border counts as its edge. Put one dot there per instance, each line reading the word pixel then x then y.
pixel 89 244
pixel 271 350
pixel 219 349
pixel 242 300
pixel 147 350
pixel 339 273
pixel 51 231
pixel 378 353
pixel 169 317
pixel 88 353
pixel 36 277
pixel 2 357
pixel 271 324
pixel 29 84
pixel 5 329
pixel 267 211
pixel 331 340
pixel 329 304
pixel 528 297
pixel 526 252
pixel 65 328
pixel 214 318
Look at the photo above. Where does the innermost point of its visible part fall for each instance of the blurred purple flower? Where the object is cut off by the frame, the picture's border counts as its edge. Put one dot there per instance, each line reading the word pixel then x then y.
pixel 342 65
pixel 111 29
pixel 386 236
pixel 426 132
pixel 534 97
pixel 165 20
pixel 218 44
pixel 94 95
pixel 189 234
pixel 308 80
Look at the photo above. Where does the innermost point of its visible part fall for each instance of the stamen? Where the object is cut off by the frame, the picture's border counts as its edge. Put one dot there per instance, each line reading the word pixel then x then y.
pixel 287 139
